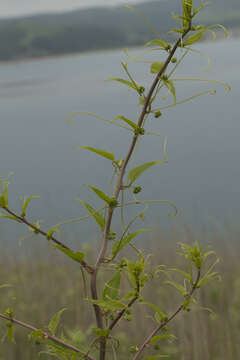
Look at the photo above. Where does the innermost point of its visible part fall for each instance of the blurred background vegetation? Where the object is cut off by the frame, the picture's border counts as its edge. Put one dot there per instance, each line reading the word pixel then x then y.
pixel 45 282
pixel 100 28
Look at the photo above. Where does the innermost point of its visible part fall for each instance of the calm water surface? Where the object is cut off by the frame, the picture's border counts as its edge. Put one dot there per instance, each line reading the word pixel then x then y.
pixel 202 177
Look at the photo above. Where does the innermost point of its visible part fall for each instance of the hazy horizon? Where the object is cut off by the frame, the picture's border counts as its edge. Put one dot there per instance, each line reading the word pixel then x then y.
pixel 14 8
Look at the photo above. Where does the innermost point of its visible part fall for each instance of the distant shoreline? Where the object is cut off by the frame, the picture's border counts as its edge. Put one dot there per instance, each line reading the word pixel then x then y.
pixel 234 33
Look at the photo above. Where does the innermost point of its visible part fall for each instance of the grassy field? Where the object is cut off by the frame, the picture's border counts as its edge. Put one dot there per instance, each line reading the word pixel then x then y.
pixel 43 285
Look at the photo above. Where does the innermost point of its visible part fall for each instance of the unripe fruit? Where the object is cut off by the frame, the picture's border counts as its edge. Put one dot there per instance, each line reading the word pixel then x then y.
pixel 137 189
pixel 157 114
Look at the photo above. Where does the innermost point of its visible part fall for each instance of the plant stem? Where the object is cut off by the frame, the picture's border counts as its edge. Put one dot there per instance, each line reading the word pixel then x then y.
pixel 47 336
pixel 23 220
pixel 121 313
pixel 162 325
pixel 100 259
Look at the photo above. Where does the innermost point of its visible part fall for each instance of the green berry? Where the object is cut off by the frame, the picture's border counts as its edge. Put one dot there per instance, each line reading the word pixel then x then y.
pixel 174 60
pixel 137 189
pixel 141 90
pixel 157 114
pixel 112 235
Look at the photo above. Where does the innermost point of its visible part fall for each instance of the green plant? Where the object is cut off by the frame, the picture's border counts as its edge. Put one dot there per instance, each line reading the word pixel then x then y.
pixel 129 276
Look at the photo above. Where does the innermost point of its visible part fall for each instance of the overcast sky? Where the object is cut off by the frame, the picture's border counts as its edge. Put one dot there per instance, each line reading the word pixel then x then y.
pixel 10 8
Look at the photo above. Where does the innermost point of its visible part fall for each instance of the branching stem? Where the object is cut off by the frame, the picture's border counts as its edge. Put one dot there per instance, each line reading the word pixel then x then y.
pixel 163 324
pixel 23 220
pixel 102 254
pixel 47 336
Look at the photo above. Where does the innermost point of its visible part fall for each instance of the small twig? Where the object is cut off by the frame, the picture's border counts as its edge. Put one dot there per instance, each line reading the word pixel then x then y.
pixel 122 312
pixel 23 220
pixel 163 324
pixel 47 336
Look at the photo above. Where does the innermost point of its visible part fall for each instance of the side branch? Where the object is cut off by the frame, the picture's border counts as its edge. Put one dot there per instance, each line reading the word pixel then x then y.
pixel 23 220
pixel 163 324
pixel 121 313
pixel 47 336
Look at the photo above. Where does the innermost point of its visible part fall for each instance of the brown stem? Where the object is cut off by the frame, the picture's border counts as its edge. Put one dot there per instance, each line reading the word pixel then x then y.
pixel 47 336
pixel 34 227
pixel 162 325
pixel 119 187
pixel 120 315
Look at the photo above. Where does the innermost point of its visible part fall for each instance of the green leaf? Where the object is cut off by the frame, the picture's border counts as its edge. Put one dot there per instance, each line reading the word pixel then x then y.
pixel 110 304
pixel 77 256
pixel 94 213
pixel 162 316
pixel 187 12
pixel 158 42
pixel 103 153
pixel 51 232
pixel 209 277
pixel 186 275
pixel 164 336
pixel 37 334
pixel 156 67
pixel 103 196
pixel 9 312
pixel 194 38
pixel 5 285
pixel 111 289
pixel 2 201
pixel 203 4
pixel 9 217
pixel 9 333
pixel 129 122
pixel 177 286
pixel 211 252
pixel 120 244
pixel 129 84
pixel 135 173
pixel 5 194
pixel 170 86
pixel 144 19
pixel 26 203
pixel 53 324
pixel 37 225
pixel 101 332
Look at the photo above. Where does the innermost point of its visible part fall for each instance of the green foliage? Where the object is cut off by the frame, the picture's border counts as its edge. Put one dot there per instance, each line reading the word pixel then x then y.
pixel 112 202
pixel 135 173
pixel 26 202
pixel 94 213
pixel 103 153
pixel 74 255
pixel 120 244
pixel 53 324
pixel 116 299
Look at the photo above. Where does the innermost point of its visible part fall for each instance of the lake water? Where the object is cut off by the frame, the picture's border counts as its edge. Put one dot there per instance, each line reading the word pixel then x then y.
pixel 203 174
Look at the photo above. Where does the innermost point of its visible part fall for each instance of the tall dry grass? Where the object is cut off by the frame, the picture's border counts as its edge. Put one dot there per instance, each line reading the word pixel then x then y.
pixel 43 284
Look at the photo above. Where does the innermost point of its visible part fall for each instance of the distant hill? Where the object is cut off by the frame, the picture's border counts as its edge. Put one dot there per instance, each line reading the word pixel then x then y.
pixel 100 28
